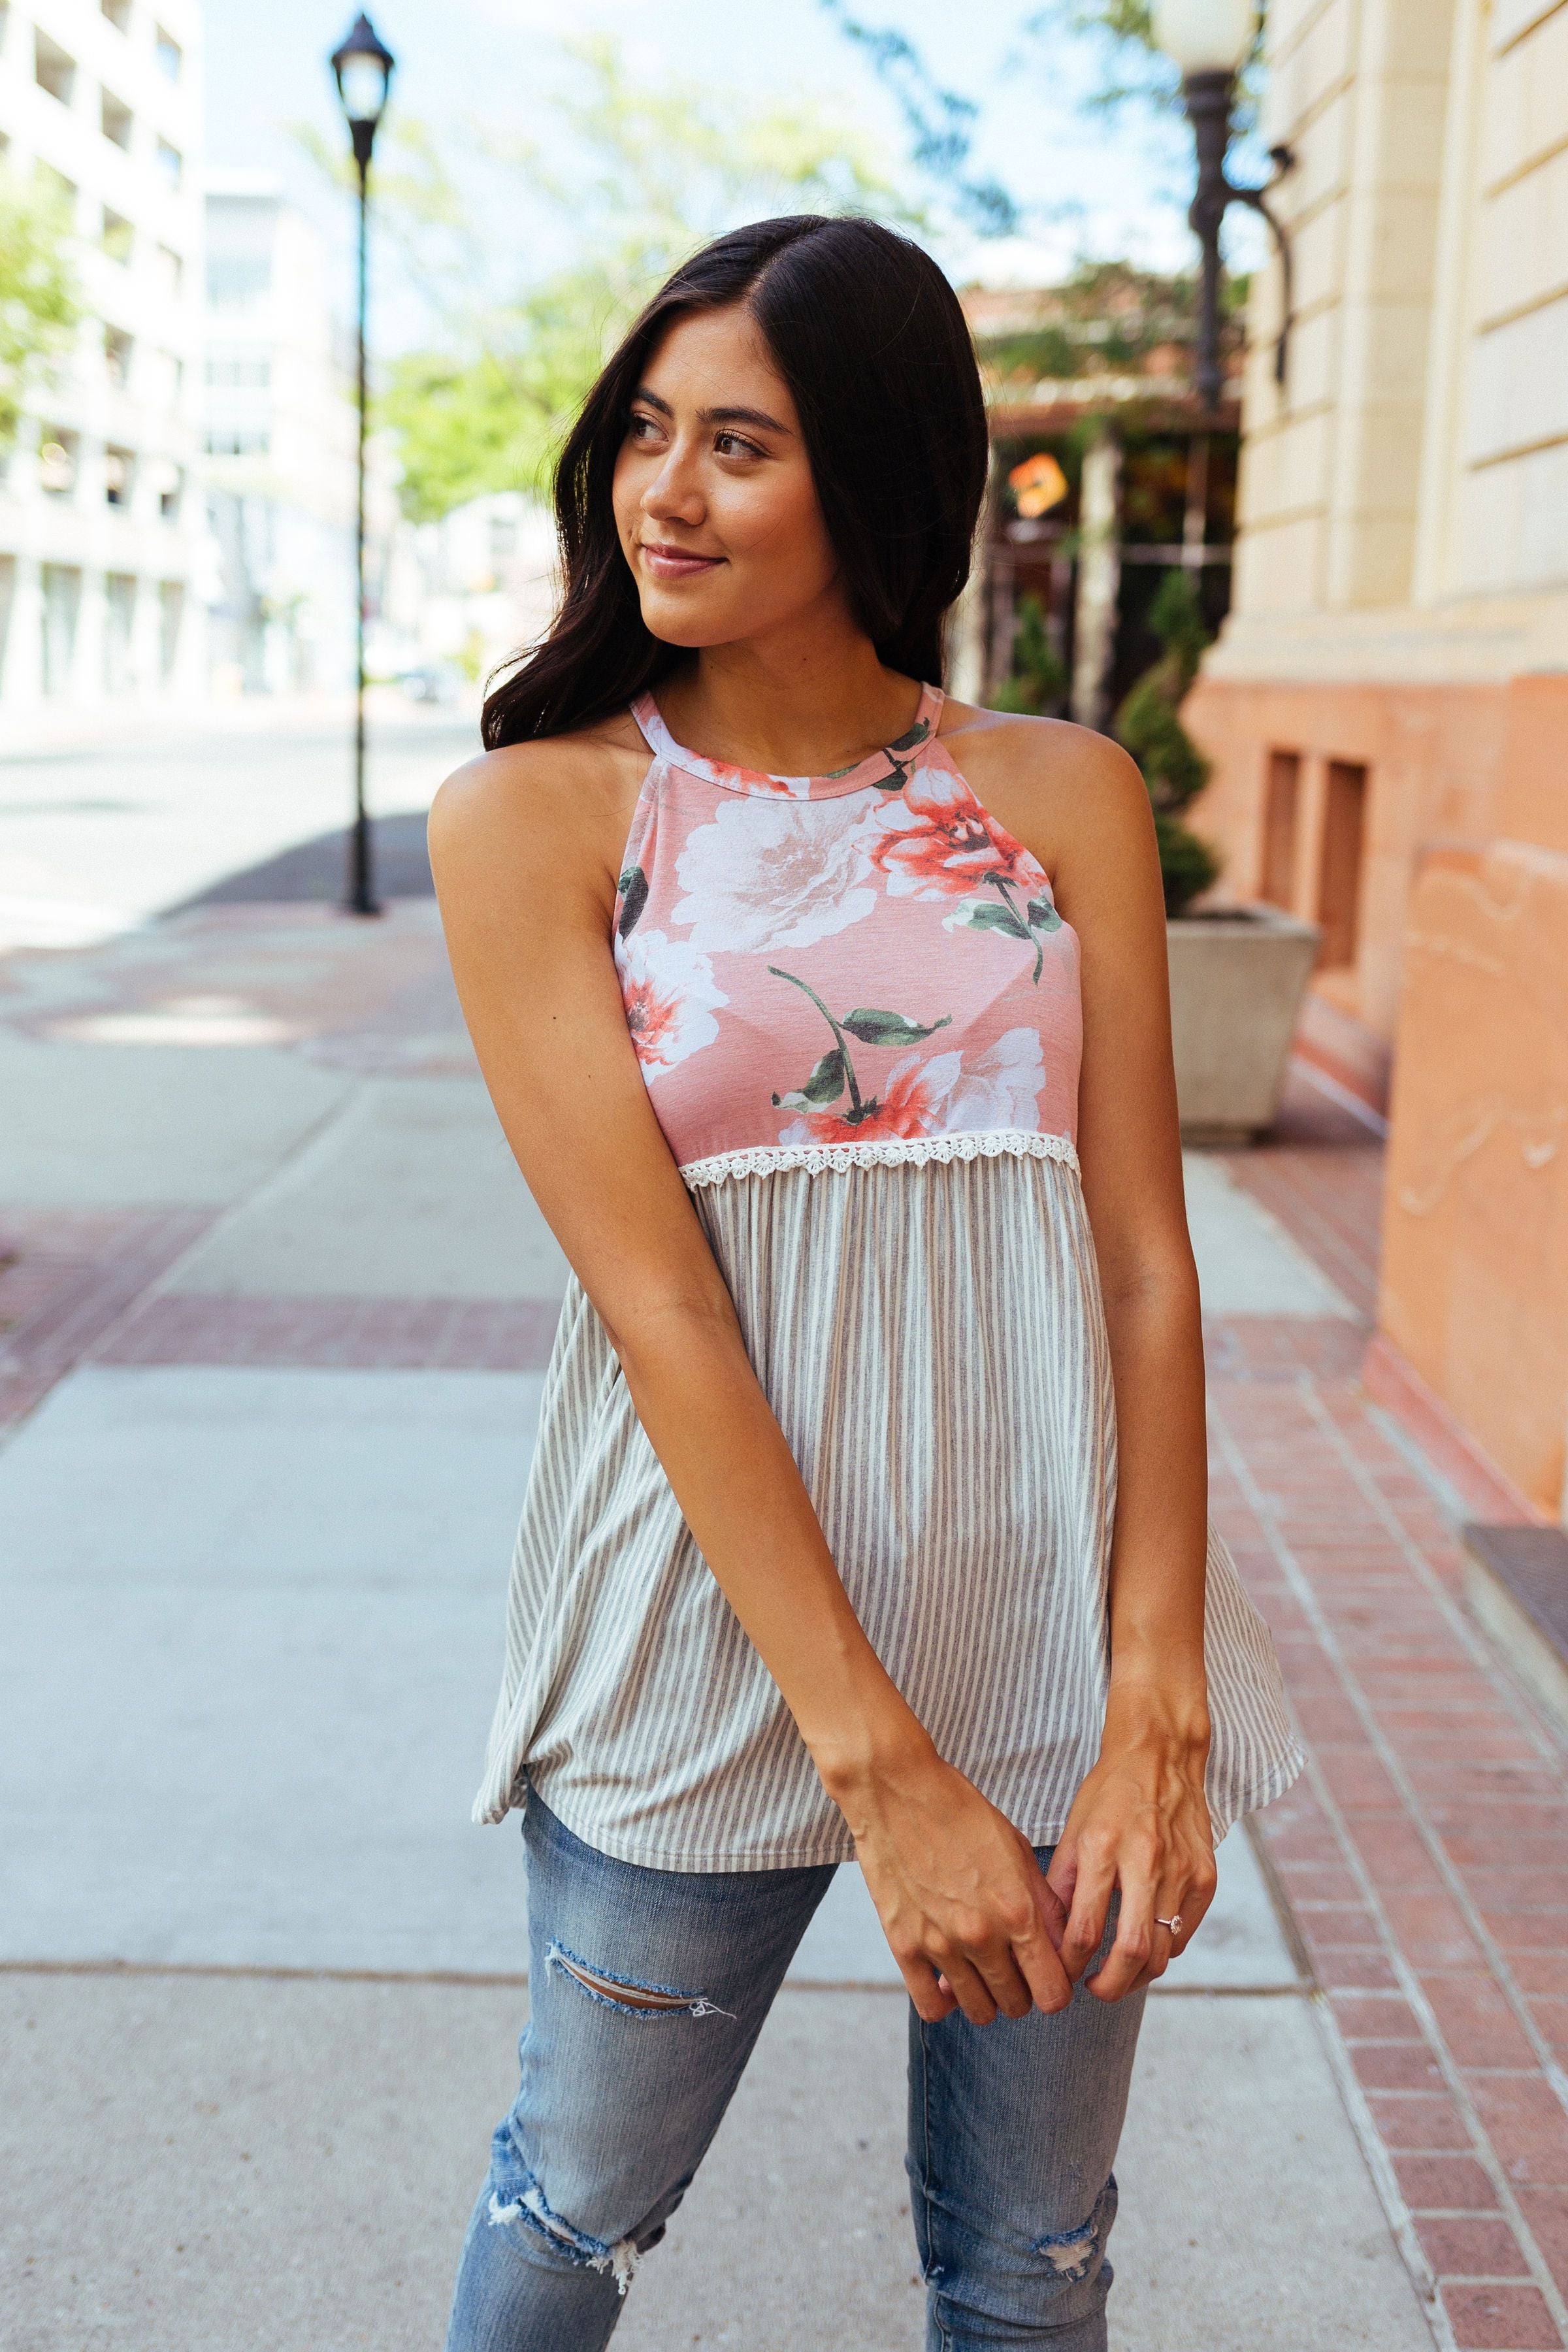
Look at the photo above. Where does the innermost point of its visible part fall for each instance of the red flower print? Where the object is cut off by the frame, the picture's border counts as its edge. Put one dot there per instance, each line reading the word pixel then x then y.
pixel 906 1108
pixel 935 841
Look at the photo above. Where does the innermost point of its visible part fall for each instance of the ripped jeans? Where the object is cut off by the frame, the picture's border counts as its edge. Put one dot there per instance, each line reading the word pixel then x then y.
pixel 1012 2128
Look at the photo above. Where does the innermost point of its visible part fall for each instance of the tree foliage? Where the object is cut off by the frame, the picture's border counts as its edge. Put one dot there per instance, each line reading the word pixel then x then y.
pixel 1132 69
pixel 1149 725
pixel 38 303
pixel 1038 681
pixel 654 170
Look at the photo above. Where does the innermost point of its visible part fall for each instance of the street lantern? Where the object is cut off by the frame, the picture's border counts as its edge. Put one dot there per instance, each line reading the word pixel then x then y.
pixel 1209 40
pixel 364 68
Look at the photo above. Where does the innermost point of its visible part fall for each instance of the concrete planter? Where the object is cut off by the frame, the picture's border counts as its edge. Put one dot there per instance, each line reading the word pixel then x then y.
pixel 1237 978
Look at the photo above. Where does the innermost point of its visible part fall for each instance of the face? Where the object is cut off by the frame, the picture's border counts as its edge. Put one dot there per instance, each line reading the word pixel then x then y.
pixel 713 495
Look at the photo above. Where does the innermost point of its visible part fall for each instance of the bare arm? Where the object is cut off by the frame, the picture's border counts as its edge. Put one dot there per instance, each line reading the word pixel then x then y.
pixel 1141 1821
pixel 523 845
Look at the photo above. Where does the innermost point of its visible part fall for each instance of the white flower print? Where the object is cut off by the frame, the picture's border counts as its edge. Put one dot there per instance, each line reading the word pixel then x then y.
pixel 1000 1088
pixel 667 986
pixel 769 875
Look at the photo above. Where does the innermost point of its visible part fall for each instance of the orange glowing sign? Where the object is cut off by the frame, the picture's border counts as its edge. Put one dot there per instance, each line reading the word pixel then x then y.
pixel 1040 484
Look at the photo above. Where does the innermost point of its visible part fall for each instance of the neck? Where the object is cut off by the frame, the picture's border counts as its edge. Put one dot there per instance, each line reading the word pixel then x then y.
pixel 801 702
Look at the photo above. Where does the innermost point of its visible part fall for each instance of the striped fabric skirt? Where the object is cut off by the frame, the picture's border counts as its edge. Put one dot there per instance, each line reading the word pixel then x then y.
pixel 932 1340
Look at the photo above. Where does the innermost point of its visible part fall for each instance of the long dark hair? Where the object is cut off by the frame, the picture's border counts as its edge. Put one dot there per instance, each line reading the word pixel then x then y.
pixel 868 336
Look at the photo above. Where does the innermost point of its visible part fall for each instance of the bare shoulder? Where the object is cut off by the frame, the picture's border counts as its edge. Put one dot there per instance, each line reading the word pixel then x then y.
pixel 559 797
pixel 1057 786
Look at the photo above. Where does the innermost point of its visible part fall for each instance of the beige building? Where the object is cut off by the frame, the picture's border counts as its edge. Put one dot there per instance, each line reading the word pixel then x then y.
pixel 1388 704
pixel 102 532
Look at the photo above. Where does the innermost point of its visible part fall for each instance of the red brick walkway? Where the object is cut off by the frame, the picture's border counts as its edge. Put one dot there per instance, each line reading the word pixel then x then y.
pixel 1424 1854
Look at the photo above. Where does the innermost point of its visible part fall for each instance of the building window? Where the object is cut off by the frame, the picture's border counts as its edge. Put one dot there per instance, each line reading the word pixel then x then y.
pixel 172 270
pixel 118 347
pixel 239 445
pixel 59 192
pixel 116 119
pixel 118 237
pixel 52 69
pixel 246 371
pixel 119 477
pixel 170 163
pixel 1278 883
pixel 61 603
pixel 503 538
pixel 118 630
pixel 236 279
pixel 1339 875
pixel 169 54
pixel 119 13
pixel 57 453
pixel 170 494
pixel 170 612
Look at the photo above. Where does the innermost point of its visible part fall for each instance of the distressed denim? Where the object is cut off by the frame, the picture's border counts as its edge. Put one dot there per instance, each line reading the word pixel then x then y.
pixel 1012 2126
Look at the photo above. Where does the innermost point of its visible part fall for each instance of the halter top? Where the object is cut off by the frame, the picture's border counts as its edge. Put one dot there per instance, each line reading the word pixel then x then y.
pixel 857 1013
pixel 842 970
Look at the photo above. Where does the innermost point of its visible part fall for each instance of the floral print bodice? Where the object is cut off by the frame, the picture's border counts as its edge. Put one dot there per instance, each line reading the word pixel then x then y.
pixel 834 970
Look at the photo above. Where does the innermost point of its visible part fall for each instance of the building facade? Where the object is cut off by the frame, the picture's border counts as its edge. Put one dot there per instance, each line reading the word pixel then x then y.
pixel 278 440
pixel 1388 704
pixel 103 537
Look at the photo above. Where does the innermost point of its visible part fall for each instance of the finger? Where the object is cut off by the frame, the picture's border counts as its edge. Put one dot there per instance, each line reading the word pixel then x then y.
pixel 933 1995
pixel 969 1987
pixel 1140 1947
pixel 1038 1958
pixel 997 1967
pixel 1085 1930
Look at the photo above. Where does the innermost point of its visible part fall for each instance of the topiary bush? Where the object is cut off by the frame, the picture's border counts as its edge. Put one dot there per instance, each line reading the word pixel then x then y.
pixel 1039 681
pixel 1149 725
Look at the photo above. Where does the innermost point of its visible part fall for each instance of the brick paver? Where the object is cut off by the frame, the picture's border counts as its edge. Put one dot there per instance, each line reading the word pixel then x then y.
pixel 65 1279
pixel 357 1334
pixel 1425 1854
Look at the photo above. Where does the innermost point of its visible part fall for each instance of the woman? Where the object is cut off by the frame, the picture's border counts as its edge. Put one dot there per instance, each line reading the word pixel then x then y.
pixel 826 1552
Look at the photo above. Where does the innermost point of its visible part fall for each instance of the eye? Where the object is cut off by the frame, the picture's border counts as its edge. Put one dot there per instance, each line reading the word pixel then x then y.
pixel 641 427
pixel 735 445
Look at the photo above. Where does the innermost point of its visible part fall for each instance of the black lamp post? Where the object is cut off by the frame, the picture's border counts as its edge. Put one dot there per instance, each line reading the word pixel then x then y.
pixel 1209 40
pixel 363 70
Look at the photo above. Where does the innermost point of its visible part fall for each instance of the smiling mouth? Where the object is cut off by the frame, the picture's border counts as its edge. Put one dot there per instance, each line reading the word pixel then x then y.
pixel 675 563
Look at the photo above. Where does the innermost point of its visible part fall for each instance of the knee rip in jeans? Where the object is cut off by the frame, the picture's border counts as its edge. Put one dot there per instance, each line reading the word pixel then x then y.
pixel 622 1994
pixel 1074 2253
pixel 528 2204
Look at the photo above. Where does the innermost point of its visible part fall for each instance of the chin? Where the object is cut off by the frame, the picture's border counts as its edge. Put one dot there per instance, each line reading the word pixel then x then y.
pixel 675 621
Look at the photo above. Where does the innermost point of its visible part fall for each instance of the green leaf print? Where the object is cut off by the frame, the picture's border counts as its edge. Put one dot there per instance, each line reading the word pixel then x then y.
pixel 835 1070
pixel 980 915
pixel 824 1086
pixel 633 889
pixel 1043 915
pixel 889 1028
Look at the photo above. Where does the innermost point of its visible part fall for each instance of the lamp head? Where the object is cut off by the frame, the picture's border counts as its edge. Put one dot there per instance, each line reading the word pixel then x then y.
pixel 363 66
pixel 1204 36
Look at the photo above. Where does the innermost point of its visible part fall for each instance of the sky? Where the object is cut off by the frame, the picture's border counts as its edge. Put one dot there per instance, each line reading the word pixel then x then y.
pixel 1094 188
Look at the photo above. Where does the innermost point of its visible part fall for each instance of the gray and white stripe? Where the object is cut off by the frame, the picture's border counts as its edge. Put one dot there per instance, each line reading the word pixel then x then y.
pixel 933 1343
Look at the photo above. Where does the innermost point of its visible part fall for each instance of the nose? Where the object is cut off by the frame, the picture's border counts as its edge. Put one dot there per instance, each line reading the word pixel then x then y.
pixel 674 495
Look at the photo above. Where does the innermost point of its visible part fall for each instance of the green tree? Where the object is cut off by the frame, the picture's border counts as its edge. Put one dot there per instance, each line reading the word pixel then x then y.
pixel 1038 680
pixel 1149 725
pixel 654 171
pixel 38 303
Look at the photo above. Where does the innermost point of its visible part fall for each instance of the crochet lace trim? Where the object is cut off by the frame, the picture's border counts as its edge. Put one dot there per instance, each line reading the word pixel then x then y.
pixel 880 1151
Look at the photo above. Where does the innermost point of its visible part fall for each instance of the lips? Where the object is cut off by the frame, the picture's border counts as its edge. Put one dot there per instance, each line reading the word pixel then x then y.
pixel 664 563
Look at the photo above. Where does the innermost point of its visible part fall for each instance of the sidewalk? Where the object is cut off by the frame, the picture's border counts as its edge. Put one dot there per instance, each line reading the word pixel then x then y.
pixel 270 1340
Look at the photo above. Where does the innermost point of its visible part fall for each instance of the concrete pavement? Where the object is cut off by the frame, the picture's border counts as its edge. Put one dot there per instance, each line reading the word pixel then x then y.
pixel 271 1393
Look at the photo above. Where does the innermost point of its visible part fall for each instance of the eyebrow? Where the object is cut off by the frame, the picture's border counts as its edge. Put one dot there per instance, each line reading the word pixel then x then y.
pixel 716 416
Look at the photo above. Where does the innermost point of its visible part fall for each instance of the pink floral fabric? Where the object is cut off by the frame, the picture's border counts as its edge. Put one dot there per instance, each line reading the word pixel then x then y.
pixel 840 960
